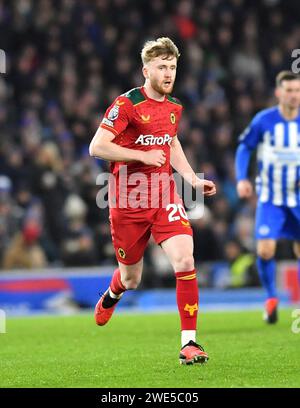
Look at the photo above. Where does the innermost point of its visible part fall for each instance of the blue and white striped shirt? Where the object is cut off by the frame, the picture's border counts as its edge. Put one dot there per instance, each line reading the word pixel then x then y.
pixel 278 156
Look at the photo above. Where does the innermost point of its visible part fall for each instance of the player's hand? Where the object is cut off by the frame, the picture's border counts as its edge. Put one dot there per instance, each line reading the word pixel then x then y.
pixel 154 158
pixel 208 187
pixel 244 189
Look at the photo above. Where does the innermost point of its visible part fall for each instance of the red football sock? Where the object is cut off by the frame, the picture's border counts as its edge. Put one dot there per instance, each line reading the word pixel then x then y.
pixel 187 299
pixel 116 285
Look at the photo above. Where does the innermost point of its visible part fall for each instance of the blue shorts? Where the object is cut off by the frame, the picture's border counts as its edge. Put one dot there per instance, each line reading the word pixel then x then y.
pixel 275 222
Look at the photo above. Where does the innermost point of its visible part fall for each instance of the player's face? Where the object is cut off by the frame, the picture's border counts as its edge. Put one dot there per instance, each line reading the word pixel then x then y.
pixel 288 93
pixel 161 73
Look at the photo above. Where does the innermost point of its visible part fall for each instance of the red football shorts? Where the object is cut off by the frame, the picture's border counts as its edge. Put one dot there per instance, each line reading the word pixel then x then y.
pixel 131 230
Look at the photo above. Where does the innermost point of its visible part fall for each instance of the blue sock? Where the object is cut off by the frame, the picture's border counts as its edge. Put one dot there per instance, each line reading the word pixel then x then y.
pixel 267 274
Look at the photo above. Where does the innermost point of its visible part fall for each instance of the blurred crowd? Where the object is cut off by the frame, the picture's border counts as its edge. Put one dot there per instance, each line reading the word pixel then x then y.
pixel 67 60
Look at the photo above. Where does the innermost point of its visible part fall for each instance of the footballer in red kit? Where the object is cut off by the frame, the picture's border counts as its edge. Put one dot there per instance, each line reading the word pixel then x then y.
pixel 142 123
pixel 138 135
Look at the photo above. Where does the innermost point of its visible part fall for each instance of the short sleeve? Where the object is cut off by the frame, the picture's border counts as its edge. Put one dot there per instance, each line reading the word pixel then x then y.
pixel 118 116
pixel 252 135
pixel 178 117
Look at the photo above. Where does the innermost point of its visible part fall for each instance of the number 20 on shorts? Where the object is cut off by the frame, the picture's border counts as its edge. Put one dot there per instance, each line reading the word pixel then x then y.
pixel 176 211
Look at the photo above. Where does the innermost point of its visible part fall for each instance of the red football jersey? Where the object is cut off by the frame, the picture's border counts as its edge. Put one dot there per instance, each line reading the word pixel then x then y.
pixel 142 123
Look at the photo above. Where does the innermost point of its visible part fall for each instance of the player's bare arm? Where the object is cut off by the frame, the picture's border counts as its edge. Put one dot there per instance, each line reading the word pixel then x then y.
pixel 180 163
pixel 102 146
pixel 244 189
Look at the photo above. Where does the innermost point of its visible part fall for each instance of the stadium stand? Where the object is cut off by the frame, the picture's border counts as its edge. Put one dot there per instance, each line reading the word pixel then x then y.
pixel 67 60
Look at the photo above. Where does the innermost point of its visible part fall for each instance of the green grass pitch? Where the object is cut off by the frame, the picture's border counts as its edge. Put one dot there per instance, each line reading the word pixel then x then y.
pixel 141 350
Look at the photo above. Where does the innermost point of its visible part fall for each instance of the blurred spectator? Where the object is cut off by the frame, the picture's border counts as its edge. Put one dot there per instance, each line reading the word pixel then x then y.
pixel 77 246
pixel 47 183
pixel 207 247
pixel 8 217
pixel 24 250
pixel 242 265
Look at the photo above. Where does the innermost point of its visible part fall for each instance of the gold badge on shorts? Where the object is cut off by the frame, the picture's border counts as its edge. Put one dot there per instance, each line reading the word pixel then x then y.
pixel 121 253
pixel 172 118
